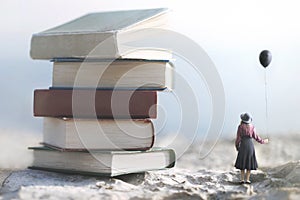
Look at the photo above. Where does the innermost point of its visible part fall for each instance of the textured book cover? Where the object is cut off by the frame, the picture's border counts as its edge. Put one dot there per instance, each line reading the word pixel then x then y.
pixel 103 163
pixel 77 38
pixel 86 103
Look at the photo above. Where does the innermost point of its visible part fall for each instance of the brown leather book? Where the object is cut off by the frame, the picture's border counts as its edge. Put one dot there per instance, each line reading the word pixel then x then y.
pixel 89 103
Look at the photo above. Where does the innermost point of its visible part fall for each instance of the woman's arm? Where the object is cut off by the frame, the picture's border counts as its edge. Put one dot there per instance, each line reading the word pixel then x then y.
pixel 238 138
pixel 257 138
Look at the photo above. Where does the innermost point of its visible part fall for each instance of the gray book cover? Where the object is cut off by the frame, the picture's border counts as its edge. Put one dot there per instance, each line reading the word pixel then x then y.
pixel 77 38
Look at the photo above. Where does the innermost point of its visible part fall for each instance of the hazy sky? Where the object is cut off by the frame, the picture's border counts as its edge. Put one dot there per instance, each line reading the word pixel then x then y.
pixel 231 32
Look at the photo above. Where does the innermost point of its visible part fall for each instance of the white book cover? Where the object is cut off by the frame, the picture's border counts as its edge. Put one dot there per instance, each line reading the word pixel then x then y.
pixel 128 74
pixel 108 134
pixel 103 163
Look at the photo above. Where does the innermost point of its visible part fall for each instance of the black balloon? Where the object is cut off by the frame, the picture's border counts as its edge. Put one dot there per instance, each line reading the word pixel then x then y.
pixel 265 58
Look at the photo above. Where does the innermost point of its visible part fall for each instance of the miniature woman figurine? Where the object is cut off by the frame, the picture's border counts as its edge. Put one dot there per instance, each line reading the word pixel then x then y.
pixel 246 159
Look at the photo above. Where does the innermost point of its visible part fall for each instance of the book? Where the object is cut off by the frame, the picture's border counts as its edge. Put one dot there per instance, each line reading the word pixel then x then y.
pixel 107 163
pixel 81 134
pixel 134 74
pixel 89 103
pixel 112 30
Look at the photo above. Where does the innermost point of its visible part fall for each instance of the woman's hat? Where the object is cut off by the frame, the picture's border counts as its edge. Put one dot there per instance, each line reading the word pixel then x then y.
pixel 246 118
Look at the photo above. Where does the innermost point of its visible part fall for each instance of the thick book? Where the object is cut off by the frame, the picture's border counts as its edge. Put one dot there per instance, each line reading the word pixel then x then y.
pixel 103 134
pixel 102 163
pixel 101 35
pixel 89 103
pixel 134 74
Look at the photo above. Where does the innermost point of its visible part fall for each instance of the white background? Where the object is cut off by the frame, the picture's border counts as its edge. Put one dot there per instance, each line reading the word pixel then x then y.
pixel 231 32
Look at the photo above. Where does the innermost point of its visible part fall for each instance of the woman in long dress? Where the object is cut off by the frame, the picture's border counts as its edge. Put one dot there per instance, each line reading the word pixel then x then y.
pixel 246 159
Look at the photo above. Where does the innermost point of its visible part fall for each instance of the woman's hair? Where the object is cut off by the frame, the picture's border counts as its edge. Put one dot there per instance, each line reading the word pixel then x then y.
pixel 244 123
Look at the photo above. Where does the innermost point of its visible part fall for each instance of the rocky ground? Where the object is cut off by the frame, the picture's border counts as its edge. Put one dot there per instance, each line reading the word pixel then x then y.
pixel 210 178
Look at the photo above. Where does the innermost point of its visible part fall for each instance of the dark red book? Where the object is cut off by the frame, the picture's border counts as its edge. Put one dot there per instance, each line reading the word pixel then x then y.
pixel 89 103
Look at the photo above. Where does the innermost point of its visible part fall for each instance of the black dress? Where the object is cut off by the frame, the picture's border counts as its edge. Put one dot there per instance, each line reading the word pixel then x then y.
pixel 246 158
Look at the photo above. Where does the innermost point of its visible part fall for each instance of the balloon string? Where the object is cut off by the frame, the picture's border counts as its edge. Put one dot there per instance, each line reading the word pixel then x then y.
pixel 266 100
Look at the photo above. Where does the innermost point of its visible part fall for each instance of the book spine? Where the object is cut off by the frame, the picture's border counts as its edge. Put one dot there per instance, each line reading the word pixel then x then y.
pixel 87 150
pixel 105 104
pixel 153 135
pixel 80 45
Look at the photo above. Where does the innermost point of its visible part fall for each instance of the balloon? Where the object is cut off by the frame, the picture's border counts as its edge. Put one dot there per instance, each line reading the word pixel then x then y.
pixel 265 58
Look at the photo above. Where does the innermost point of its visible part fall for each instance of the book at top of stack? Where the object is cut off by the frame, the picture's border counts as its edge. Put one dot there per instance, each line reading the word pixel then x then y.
pixel 79 37
pixel 101 103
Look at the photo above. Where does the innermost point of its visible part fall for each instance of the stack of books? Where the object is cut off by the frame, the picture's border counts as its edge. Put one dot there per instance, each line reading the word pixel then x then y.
pixel 98 111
